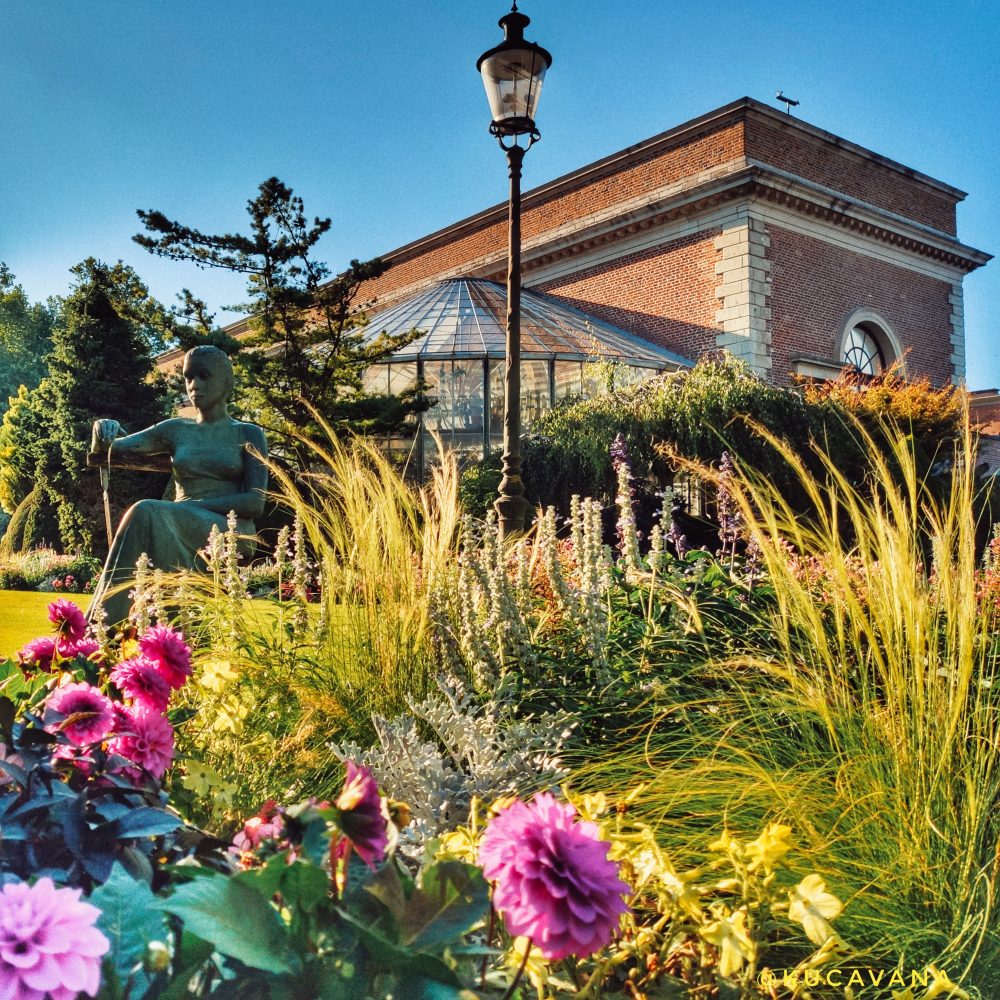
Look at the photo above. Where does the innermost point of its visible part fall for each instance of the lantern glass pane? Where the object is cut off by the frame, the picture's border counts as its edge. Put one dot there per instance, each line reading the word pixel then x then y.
pixel 513 82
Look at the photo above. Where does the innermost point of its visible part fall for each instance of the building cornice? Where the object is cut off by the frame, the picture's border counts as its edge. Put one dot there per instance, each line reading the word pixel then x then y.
pixel 754 180
pixel 741 110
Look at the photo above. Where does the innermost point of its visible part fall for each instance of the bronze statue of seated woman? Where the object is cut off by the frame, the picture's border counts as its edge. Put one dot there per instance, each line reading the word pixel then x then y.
pixel 217 464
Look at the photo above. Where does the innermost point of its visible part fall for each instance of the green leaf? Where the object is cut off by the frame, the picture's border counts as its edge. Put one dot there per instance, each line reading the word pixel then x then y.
pixel 145 822
pixel 194 953
pixel 452 898
pixel 129 919
pixel 422 988
pixel 387 888
pixel 235 918
pixel 304 885
pixel 266 879
pixel 7 714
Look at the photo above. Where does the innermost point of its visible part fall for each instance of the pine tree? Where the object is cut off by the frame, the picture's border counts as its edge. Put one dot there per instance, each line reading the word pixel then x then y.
pixel 308 343
pixel 100 366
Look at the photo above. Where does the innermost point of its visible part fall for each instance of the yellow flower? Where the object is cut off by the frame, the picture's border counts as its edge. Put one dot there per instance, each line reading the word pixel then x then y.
pixel 216 674
pixel 726 844
pixel 459 845
pixel 231 716
pixel 680 892
pixel 812 906
pixel 943 986
pixel 770 847
pixel 536 968
pixel 728 932
pixel 592 807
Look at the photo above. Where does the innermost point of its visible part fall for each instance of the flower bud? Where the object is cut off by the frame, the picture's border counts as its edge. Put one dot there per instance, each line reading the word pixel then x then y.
pixel 157 957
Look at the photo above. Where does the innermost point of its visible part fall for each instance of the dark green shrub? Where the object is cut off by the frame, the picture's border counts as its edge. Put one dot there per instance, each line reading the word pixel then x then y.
pixel 713 408
pixel 31 524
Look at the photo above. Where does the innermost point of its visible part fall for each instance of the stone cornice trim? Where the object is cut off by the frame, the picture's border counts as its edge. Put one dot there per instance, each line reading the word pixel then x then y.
pixel 820 202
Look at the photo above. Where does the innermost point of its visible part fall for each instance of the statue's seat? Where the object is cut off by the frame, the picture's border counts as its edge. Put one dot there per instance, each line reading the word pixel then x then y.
pixel 145 463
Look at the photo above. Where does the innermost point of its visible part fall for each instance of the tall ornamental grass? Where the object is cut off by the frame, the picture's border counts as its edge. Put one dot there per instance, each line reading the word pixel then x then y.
pixel 379 543
pixel 864 711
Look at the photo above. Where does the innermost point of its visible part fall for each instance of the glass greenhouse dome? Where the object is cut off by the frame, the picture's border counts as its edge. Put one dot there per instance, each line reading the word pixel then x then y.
pixel 460 355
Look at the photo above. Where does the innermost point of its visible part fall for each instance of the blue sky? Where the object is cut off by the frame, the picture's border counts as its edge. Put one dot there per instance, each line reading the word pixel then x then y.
pixel 374 113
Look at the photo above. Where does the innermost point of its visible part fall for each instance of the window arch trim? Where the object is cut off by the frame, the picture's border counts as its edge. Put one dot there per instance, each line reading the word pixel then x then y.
pixel 880 330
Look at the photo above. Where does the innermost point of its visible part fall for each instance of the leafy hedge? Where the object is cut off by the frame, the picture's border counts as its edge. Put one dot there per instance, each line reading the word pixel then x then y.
pixel 711 409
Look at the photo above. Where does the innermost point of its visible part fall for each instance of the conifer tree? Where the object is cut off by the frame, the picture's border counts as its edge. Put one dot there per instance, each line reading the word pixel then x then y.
pixel 100 366
pixel 307 342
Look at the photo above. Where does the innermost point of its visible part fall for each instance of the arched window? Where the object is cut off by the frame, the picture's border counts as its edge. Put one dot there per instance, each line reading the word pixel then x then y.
pixel 867 344
pixel 862 351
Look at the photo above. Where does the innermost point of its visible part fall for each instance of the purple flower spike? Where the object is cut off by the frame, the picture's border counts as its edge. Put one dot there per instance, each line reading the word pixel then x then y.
pixel 553 880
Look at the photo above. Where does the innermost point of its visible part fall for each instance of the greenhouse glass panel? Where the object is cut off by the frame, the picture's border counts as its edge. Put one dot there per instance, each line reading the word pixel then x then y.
pixel 536 393
pixel 569 380
pixel 402 376
pixel 376 379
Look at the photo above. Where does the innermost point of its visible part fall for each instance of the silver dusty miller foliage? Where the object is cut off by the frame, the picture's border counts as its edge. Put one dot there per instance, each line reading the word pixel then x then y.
pixel 476 750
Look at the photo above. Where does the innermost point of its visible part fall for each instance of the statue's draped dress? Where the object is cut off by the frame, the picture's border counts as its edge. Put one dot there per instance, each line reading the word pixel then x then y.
pixel 170 532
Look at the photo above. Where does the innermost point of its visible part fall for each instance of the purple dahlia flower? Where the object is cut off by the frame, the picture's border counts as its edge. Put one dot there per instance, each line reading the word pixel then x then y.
pixel 81 712
pixel 362 816
pixel 553 881
pixel 68 620
pixel 170 651
pixel 141 680
pixel 49 946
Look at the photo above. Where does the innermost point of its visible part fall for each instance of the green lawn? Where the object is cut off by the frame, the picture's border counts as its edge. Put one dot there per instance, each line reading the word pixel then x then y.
pixel 23 617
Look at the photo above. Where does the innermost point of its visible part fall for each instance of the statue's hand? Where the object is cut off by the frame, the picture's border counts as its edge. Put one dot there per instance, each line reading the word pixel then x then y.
pixel 104 432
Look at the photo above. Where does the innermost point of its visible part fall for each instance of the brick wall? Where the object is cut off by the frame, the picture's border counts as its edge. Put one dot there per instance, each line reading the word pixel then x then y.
pixel 628 182
pixel 665 294
pixel 868 179
pixel 816 286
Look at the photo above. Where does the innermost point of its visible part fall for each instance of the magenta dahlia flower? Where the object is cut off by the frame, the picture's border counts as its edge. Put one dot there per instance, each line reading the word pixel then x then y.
pixel 268 824
pixel 553 880
pixel 37 654
pixel 146 739
pixel 81 712
pixel 170 651
pixel 141 680
pixel 68 620
pixel 362 815
pixel 49 946
pixel 84 647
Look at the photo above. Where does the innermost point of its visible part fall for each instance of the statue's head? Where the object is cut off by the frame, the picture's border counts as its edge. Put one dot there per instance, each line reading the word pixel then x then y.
pixel 217 360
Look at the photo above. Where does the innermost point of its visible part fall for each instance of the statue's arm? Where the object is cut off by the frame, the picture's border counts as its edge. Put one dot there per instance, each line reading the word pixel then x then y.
pixel 108 435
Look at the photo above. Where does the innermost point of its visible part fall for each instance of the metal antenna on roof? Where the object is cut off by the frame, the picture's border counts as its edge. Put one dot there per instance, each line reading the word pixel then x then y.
pixel 787 101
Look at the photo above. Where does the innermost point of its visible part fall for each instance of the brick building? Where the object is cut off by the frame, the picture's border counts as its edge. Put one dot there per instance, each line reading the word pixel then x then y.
pixel 745 229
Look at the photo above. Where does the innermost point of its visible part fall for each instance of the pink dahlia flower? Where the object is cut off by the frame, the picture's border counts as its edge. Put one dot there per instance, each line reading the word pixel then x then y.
pixel 170 651
pixel 146 739
pixel 81 712
pixel 141 680
pixel 362 815
pixel 68 620
pixel 85 647
pixel 49 946
pixel 37 654
pixel 268 824
pixel 553 880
